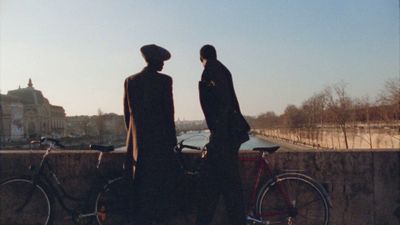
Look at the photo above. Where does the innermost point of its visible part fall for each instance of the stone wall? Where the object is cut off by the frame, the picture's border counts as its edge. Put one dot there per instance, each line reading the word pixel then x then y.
pixel 364 186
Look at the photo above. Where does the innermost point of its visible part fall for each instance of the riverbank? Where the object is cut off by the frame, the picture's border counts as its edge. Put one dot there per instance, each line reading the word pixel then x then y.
pixel 285 145
pixel 288 146
pixel 334 138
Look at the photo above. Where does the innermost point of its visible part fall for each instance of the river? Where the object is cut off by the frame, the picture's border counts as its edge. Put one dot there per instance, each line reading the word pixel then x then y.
pixel 200 138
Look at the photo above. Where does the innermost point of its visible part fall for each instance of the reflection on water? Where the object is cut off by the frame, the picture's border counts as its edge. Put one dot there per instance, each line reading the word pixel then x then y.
pixel 200 138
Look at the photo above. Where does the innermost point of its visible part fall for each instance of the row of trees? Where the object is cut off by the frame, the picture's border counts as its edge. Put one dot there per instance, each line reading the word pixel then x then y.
pixel 333 107
pixel 105 127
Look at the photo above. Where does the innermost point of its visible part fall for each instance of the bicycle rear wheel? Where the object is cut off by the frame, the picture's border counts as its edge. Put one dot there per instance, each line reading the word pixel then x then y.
pixel 292 200
pixel 23 203
pixel 113 203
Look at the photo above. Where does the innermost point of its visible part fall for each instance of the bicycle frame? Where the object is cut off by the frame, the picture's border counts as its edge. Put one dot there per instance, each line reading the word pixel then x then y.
pixel 264 168
pixel 52 183
pixel 268 177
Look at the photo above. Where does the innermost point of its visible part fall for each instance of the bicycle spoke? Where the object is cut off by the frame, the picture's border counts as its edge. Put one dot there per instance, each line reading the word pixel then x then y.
pixel 293 190
pixel 22 202
pixel 309 206
pixel 112 205
pixel 312 220
pixel 274 213
pixel 307 217
pixel 27 199
pixel 308 203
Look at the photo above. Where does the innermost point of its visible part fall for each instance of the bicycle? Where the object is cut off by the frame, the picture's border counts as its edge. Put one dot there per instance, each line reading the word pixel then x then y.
pixel 30 199
pixel 288 197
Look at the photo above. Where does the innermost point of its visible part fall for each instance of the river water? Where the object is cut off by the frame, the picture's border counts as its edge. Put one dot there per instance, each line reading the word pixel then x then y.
pixel 200 138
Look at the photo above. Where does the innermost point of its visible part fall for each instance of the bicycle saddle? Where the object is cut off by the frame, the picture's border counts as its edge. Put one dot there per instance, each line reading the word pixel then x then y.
pixel 269 149
pixel 102 148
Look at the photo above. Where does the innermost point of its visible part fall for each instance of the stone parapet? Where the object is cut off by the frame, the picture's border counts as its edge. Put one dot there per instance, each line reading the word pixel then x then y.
pixel 364 186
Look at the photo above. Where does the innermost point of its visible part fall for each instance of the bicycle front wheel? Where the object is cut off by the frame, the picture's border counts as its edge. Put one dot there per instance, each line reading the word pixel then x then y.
pixel 23 203
pixel 113 205
pixel 292 200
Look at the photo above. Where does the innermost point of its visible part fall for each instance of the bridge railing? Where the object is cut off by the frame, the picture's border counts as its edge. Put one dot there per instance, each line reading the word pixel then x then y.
pixel 364 185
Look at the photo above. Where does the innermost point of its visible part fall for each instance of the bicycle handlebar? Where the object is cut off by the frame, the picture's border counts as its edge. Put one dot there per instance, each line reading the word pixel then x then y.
pixel 180 146
pixel 54 142
pixel 191 147
pixel 49 141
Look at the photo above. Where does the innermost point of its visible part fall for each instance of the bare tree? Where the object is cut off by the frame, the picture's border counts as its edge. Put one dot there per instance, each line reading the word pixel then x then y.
pixel 83 125
pixel 340 105
pixel 293 117
pixel 120 129
pixel 363 107
pixel 314 110
pixel 294 120
pixel 334 109
pixel 100 123
pixel 390 100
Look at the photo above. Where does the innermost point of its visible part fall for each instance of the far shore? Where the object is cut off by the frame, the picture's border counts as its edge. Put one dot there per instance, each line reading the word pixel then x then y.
pixel 285 146
pixel 289 146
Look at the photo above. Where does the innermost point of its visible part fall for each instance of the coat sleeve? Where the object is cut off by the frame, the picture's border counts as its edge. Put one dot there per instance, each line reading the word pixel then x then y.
pixel 169 106
pixel 224 103
pixel 207 97
pixel 216 99
pixel 126 104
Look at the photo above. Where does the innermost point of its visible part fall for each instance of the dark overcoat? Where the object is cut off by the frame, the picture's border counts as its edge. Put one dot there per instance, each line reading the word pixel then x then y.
pixel 149 118
pixel 220 173
pixel 220 105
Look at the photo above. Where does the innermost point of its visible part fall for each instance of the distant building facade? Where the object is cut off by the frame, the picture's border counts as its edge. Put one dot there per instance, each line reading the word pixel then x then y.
pixel 109 124
pixel 26 113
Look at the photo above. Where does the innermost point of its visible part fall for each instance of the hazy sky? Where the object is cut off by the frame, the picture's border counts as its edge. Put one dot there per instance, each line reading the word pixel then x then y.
pixel 280 52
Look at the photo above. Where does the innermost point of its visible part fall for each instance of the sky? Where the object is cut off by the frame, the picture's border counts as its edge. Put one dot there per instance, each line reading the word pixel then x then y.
pixel 280 52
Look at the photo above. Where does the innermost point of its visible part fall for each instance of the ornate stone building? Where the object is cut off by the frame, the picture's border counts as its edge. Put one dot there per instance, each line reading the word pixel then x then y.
pixel 26 113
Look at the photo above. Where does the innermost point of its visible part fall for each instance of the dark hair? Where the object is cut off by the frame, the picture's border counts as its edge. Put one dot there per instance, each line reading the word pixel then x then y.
pixel 208 52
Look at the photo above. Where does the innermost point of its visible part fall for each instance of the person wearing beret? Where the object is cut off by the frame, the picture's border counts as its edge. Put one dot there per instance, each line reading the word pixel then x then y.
pixel 228 130
pixel 149 118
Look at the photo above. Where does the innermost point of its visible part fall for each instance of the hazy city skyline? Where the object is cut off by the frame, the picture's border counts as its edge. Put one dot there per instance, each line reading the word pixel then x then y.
pixel 280 52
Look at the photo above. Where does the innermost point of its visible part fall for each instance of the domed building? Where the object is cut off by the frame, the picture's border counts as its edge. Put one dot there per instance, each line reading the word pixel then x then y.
pixel 26 113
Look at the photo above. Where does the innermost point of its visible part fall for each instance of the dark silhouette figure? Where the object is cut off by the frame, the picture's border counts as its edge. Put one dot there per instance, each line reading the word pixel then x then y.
pixel 220 175
pixel 149 117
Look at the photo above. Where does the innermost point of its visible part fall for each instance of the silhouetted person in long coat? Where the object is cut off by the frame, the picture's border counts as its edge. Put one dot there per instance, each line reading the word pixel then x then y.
pixel 220 175
pixel 149 117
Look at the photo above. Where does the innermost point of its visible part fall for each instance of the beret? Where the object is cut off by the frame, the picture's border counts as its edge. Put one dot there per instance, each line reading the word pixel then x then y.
pixel 154 52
